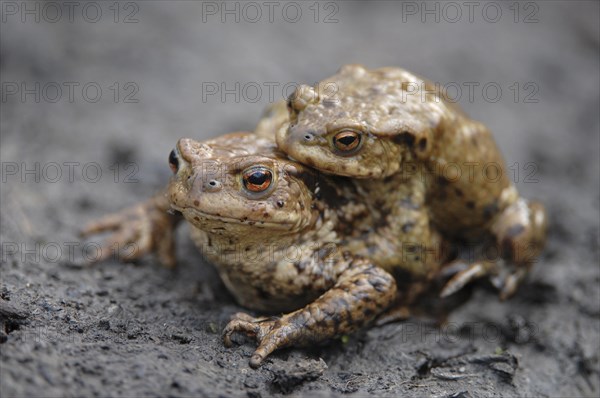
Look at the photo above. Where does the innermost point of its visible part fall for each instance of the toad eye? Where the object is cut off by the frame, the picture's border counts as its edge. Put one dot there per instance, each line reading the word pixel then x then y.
pixel 257 179
pixel 173 161
pixel 346 141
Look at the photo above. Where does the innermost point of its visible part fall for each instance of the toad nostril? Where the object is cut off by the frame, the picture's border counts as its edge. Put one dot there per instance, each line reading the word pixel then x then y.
pixel 213 185
pixel 308 136
pixel 173 161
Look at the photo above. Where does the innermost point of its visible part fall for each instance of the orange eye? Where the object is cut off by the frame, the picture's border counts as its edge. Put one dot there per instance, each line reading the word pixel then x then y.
pixel 257 179
pixel 346 140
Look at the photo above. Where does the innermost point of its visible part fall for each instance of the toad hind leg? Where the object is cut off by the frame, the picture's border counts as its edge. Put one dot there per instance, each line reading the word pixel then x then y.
pixel 520 233
pixel 469 273
pixel 361 293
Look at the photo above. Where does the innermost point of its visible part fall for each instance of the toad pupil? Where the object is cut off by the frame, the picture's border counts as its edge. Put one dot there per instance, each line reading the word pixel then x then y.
pixel 347 140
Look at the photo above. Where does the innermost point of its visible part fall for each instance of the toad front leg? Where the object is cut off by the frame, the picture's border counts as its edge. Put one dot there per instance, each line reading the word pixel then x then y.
pixel 361 293
pixel 138 230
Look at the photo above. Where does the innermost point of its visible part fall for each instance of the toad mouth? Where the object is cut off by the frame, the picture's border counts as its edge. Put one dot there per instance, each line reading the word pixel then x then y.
pixel 193 213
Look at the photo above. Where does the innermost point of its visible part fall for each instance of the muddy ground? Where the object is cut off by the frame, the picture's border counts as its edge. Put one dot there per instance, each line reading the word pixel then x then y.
pixel 141 330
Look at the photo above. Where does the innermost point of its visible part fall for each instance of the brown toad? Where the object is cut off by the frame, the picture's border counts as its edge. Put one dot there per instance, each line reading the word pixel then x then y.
pixel 283 237
pixel 387 128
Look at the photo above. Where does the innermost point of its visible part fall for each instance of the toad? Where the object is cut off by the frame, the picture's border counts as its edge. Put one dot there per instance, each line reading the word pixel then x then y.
pixel 386 128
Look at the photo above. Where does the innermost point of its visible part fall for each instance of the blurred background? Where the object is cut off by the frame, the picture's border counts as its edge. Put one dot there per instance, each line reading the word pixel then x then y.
pixel 95 95
pixel 172 69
